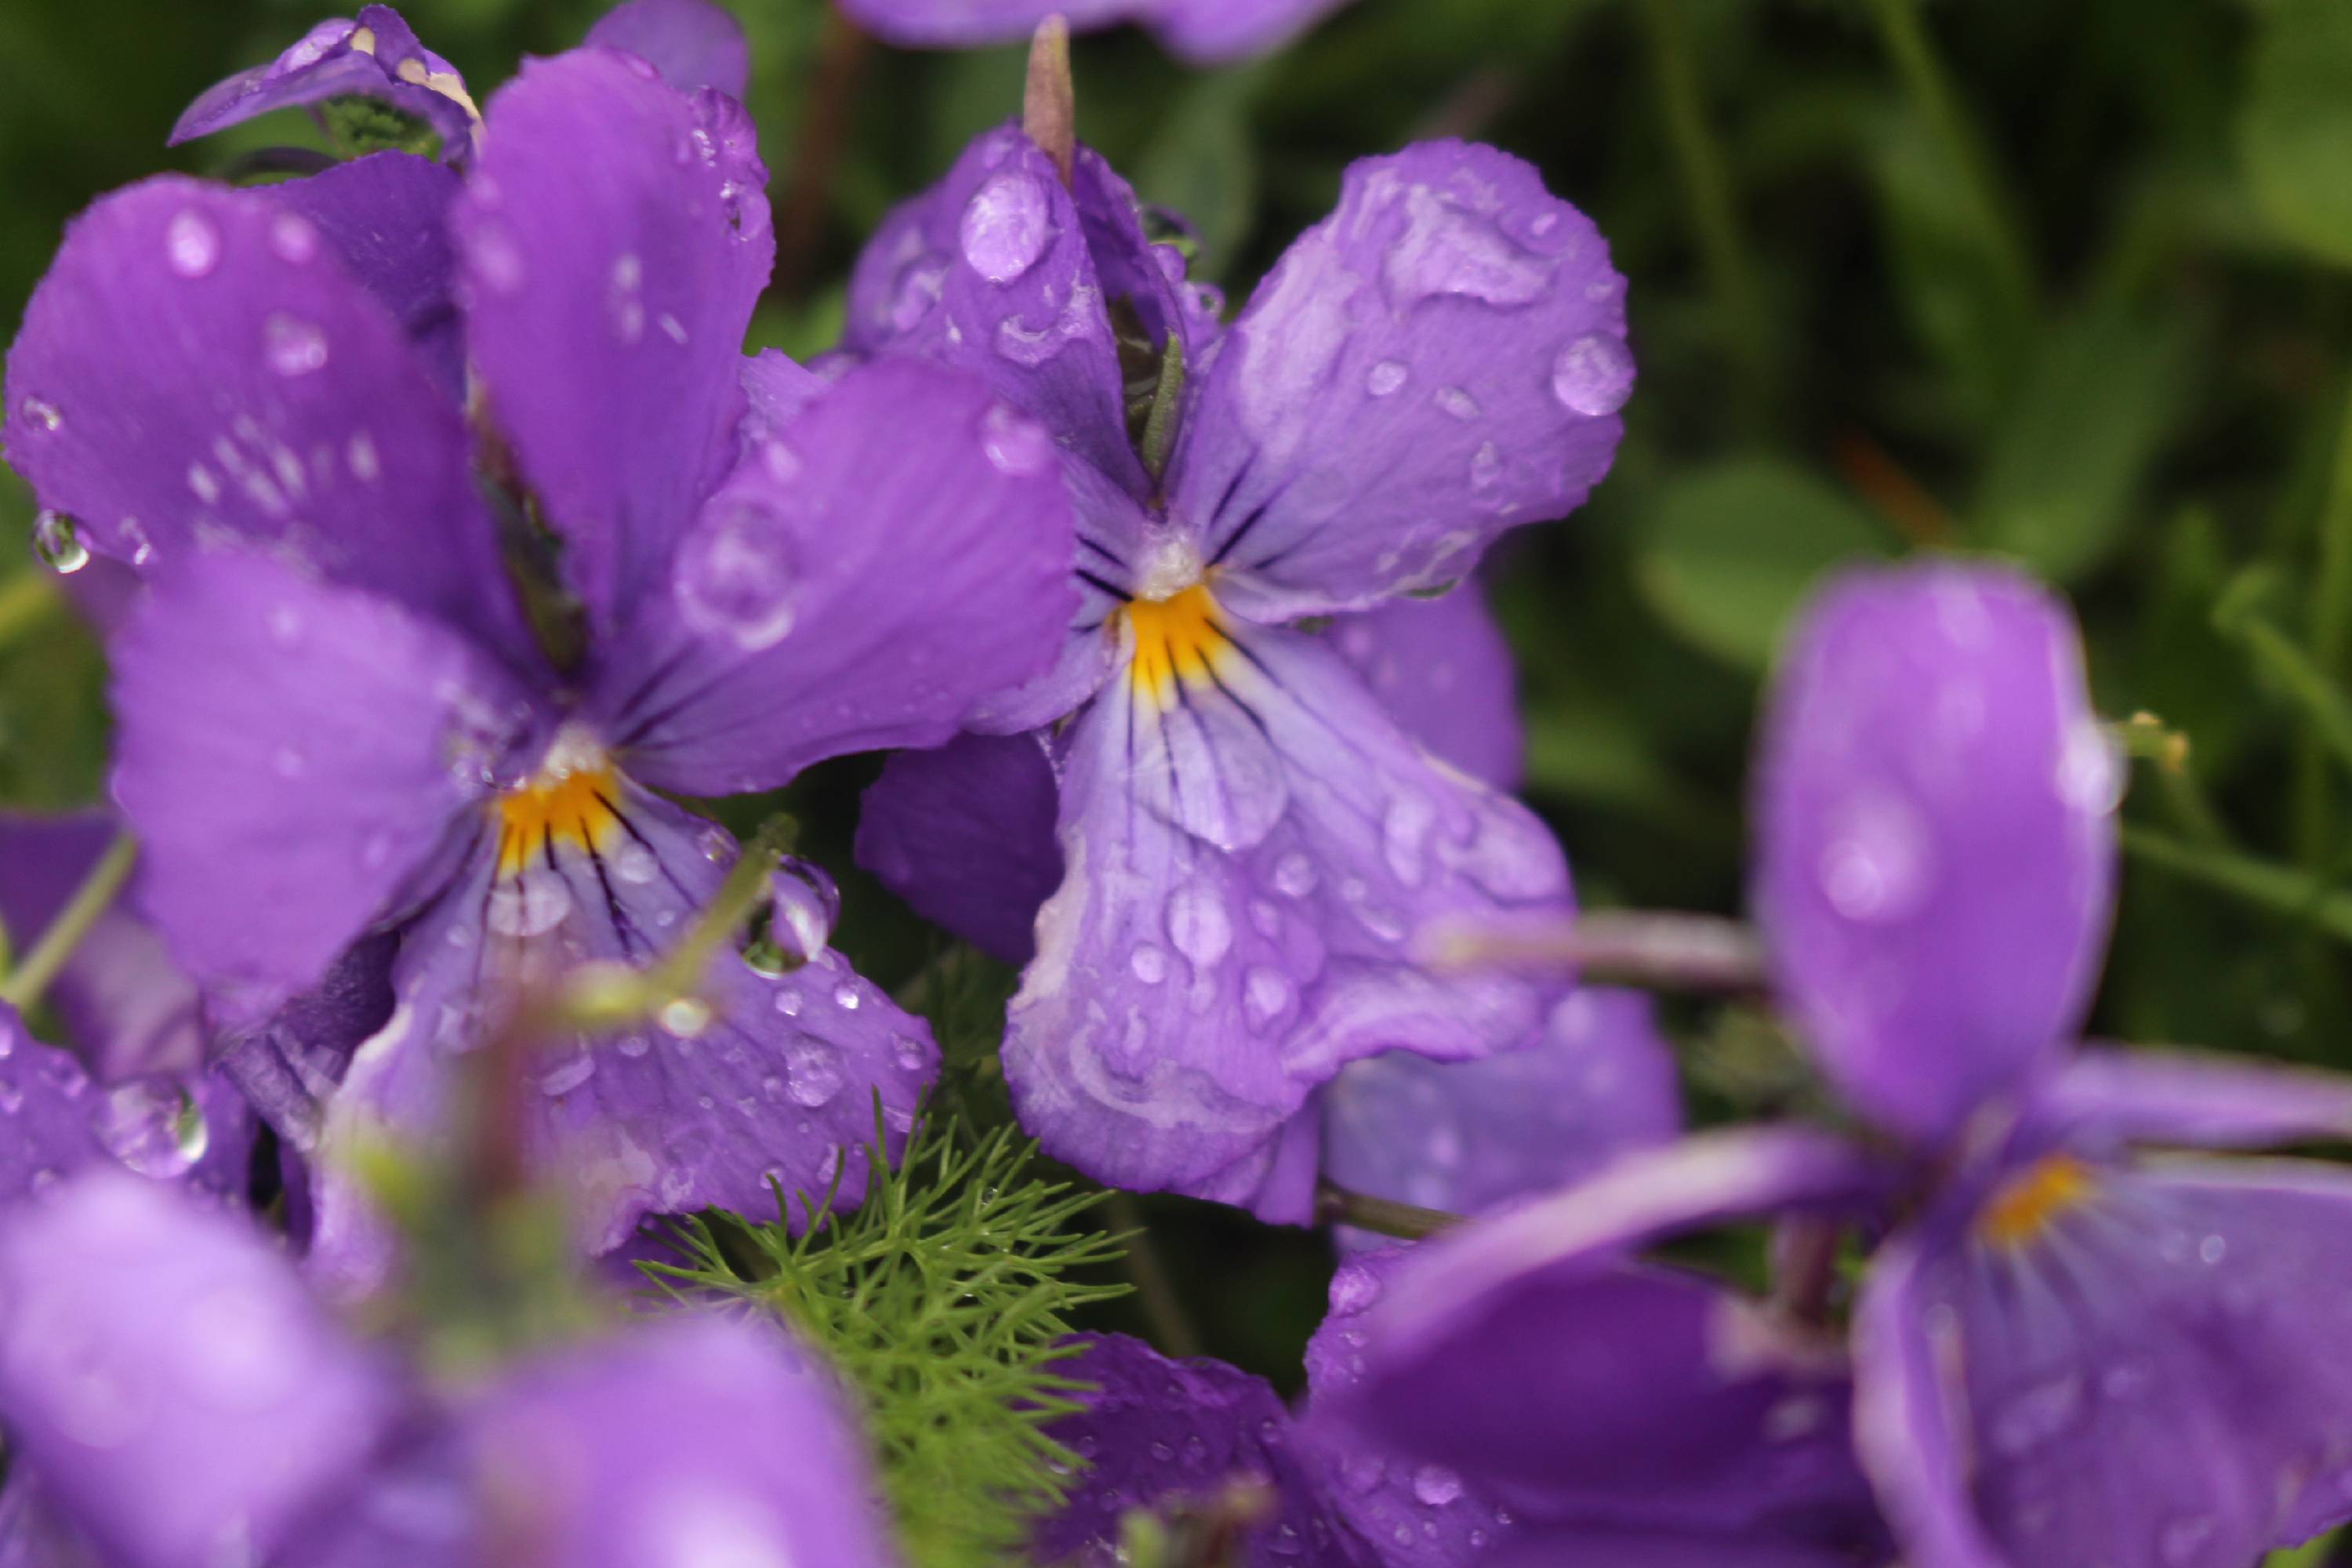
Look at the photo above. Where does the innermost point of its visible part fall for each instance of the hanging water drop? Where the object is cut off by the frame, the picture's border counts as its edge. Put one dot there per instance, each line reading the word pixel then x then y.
pixel 292 347
pixel 1593 376
pixel 57 540
pixel 803 906
pixel 192 244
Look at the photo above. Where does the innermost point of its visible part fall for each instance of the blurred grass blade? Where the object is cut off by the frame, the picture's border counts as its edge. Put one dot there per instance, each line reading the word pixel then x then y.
pixel 2319 901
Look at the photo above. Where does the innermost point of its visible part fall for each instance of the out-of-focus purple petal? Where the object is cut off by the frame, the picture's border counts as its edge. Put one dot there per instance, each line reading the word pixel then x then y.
pixel 2149 1095
pixel 779 1084
pixel 287 1061
pixel 965 835
pixel 1441 669
pixel 612 238
pixel 33 1534
pixel 292 751
pixel 1203 32
pixel 2148 1376
pixel 197 363
pixel 162 1372
pixel 1185 1000
pixel 901 553
pixel 1442 357
pixel 386 216
pixel 45 1108
pixel 690 1440
pixel 990 270
pixel 1214 32
pixel 1157 1432
pixel 1935 840
pixel 693 43
pixel 375 56
pixel 1465 1136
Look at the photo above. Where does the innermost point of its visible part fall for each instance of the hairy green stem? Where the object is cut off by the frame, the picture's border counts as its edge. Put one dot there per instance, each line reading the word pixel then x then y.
pixel 28 981
pixel 2283 889
pixel 1338 1205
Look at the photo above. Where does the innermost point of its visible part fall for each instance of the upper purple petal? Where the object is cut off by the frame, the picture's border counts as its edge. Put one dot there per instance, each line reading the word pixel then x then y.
pixel 1597 1079
pixel 386 217
pixel 295 751
pixel 965 835
pixel 1156 1432
pixel 1442 357
pixel 375 56
pixel 1935 835
pixel 1204 32
pixel 612 238
pixel 1212 32
pixel 898 554
pixel 162 1372
pixel 198 364
pixel 2191 1098
pixel 693 43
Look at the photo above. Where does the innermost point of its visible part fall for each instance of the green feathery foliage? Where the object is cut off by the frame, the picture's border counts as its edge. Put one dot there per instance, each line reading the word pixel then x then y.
pixel 941 1299
pixel 359 126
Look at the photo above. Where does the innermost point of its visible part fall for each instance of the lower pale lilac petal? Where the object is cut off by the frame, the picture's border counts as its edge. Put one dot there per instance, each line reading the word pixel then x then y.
pixel 1598 1079
pixel 386 217
pixel 779 1086
pixel 1275 1181
pixel 293 750
pixel 1590 1393
pixel 1935 871
pixel 2150 1370
pixel 1443 672
pixel 1157 1432
pixel 1441 358
pixel 965 835
pixel 695 1439
pixel 2150 1095
pixel 165 1377
pixel 375 57
pixel 693 43
pixel 900 554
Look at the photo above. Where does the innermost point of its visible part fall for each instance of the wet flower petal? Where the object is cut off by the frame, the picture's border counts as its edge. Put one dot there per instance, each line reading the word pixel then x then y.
pixel 375 56
pixel 45 1108
pixel 2148 1095
pixel 693 43
pixel 1441 669
pixel 164 1375
pixel 613 237
pixel 965 835
pixel 1206 32
pixel 1442 357
pixel 1935 840
pixel 385 217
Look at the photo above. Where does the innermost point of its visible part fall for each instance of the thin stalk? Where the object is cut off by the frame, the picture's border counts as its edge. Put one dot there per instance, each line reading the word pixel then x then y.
pixel 1661 950
pixel 1338 1205
pixel 29 980
pixel 1155 1290
pixel 2296 894
pixel 2331 641
pixel 2324 706
pixel 1705 176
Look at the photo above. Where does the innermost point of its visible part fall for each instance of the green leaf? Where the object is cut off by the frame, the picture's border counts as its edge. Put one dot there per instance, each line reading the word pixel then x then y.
pixel 1731 549
pixel 2069 455
pixel 2295 131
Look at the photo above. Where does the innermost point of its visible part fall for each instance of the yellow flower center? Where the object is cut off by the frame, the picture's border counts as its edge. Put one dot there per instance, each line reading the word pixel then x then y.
pixel 573 801
pixel 1175 638
pixel 2026 1204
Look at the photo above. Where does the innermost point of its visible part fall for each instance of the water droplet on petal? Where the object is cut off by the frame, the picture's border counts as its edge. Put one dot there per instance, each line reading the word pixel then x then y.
pixel 1149 963
pixel 40 413
pixel 2038 1416
pixel 1385 377
pixel 193 243
pixel 685 1018
pixel 1264 994
pixel 292 347
pixel 1199 926
pixel 1353 1289
pixel 1016 444
pixel 1458 403
pixel 1006 225
pixel 815 1075
pixel 738 574
pixel 1435 1485
pixel 845 997
pixel 56 541
pixel 1593 375
pixel 154 1126
pixel 2091 775
pixel 293 238
pixel 562 1079
pixel 1294 875
pixel 1878 864
pixel 803 906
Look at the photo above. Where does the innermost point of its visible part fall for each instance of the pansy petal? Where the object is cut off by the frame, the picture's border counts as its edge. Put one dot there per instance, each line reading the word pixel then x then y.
pixel 778 1086
pixel 293 750
pixel 197 363
pixel 386 217
pixel 965 835
pixel 1441 669
pixel 1465 1136
pixel 46 1101
pixel 1130 267
pixel 2148 1095
pixel 990 270
pixel 1440 359
pixel 33 1534
pixel 164 1373
pixel 1212 32
pixel 693 43
pixel 376 56
pixel 613 237
pixel 1156 1432
pixel 697 1439
pixel 1586 1392
pixel 901 554
pixel 1935 840
pixel 2146 1373
pixel 776 390
pixel 964 24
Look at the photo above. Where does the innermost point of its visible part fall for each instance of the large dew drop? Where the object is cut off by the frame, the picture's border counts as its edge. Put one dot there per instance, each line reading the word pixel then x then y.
pixel 1006 225
pixel 58 542
pixel 738 574
pixel 1593 376
pixel 192 244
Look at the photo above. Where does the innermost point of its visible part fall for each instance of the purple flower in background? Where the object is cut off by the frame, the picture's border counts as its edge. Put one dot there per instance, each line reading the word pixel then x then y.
pixel 332 720
pixel 1247 840
pixel 1206 32
pixel 175 1397
pixel 2066 1350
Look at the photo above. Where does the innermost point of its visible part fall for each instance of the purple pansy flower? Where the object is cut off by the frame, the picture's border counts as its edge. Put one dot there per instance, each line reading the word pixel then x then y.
pixel 1247 838
pixel 332 721
pixel 176 1397
pixel 2067 1351
pixel 1206 32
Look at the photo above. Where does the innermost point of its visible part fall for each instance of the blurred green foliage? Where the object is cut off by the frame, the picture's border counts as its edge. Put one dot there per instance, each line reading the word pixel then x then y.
pixel 2062 281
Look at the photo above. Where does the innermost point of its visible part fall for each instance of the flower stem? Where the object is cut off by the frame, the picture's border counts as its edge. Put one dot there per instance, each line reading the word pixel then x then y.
pixel 1338 1205
pixel 2331 642
pixel 28 981
pixel 1155 1291
pixel 1661 950
pixel 2298 895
